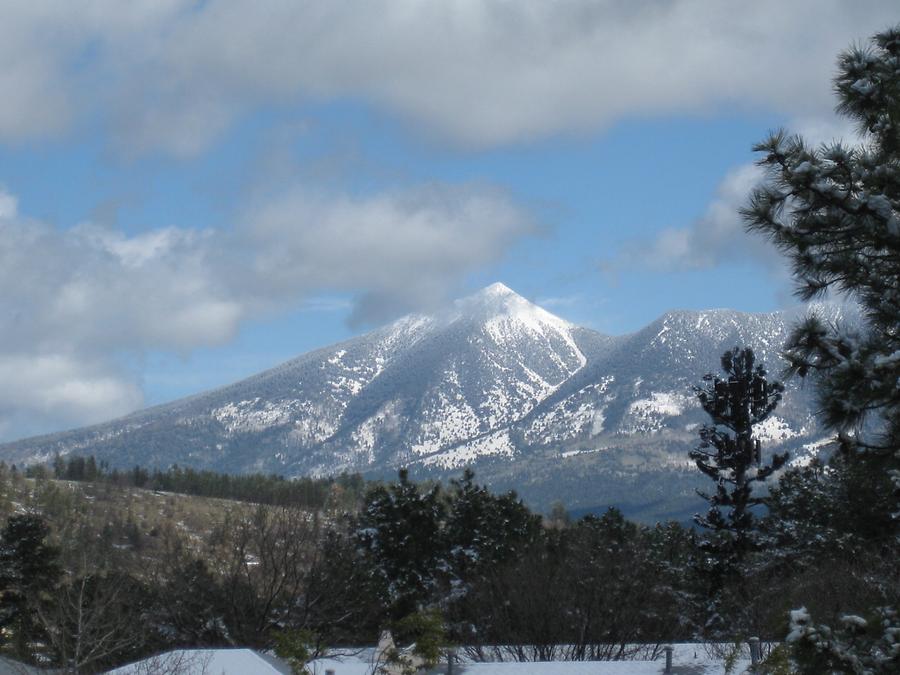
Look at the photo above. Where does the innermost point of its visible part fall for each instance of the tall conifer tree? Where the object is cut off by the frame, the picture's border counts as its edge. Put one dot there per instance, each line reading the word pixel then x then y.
pixel 730 455
pixel 834 210
pixel 29 568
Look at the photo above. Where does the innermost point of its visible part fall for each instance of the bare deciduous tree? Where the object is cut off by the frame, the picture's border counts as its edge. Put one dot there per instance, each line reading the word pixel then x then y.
pixel 93 618
pixel 266 553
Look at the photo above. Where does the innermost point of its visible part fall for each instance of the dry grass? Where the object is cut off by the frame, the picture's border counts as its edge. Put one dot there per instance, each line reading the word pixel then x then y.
pixel 144 523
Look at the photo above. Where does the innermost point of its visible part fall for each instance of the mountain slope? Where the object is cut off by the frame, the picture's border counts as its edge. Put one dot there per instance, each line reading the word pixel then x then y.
pixel 557 411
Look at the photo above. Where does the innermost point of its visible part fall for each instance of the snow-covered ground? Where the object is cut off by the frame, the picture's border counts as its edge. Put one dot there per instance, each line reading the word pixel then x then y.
pixel 207 662
pixel 688 659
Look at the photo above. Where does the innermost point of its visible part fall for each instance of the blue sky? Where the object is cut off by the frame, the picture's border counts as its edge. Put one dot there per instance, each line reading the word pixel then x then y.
pixel 191 192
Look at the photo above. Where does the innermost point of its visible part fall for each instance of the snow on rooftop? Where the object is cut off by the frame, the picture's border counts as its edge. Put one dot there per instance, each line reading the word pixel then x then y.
pixel 688 659
pixel 582 668
pixel 345 667
pixel 207 662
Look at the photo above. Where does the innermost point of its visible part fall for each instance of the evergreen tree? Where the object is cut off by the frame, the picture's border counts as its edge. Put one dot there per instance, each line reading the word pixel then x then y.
pixel 814 513
pixel 59 466
pixel 400 531
pixel 729 454
pixel 29 569
pixel 834 211
pixel 484 530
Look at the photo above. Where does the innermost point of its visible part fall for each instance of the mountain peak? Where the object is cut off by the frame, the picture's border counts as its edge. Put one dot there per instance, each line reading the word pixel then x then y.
pixel 496 289
pixel 494 295
pixel 499 303
pixel 496 299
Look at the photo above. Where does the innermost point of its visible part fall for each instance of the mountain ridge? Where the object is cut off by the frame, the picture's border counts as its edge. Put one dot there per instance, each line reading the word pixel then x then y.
pixel 493 380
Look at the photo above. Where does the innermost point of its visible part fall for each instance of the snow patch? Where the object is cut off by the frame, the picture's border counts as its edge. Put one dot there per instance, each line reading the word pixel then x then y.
pixel 660 403
pixel 449 419
pixel 579 414
pixel 648 415
pixel 253 415
pixel 774 429
pixel 490 445
pixel 365 437
pixel 811 451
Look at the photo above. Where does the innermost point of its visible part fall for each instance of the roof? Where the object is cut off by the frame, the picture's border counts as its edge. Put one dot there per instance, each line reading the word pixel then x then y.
pixel 582 668
pixel 10 667
pixel 351 666
pixel 207 662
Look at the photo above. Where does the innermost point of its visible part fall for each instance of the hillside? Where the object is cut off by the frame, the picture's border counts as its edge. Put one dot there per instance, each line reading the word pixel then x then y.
pixel 533 402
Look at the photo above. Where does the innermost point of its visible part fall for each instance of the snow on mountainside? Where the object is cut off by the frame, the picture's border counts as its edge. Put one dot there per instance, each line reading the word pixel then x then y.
pixel 539 404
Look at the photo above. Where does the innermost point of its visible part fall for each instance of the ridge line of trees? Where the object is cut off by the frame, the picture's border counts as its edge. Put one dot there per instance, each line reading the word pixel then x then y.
pixel 302 492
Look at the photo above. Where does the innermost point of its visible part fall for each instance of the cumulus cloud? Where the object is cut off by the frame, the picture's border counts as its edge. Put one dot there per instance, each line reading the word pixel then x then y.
pixel 44 391
pixel 717 236
pixel 93 289
pixel 400 250
pixel 77 305
pixel 174 75
pixel 9 205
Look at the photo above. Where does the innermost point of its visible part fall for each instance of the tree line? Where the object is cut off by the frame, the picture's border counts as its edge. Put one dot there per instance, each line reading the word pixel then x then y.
pixel 302 492
pixel 87 585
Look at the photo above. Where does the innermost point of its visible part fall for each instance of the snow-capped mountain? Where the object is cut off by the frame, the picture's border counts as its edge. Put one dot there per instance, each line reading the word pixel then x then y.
pixel 557 411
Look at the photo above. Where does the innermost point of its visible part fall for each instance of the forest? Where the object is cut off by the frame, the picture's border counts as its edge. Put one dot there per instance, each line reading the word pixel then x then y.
pixel 100 573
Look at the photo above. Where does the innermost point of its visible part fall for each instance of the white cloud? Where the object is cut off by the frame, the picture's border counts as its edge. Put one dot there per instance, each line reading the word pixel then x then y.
pixel 397 250
pixel 560 301
pixel 174 75
pixel 718 236
pixel 326 304
pixel 75 305
pixel 97 289
pixel 9 205
pixel 49 391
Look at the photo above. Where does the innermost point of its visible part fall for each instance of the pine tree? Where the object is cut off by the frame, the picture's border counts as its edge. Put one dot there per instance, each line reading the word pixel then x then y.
pixel 59 466
pixel 400 530
pixel 729 454
pixel 29 569
pixel 484 530
pixel 834 210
